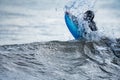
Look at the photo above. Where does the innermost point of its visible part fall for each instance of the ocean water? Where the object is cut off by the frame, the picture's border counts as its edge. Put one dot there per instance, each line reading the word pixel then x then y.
pixel 41 20
pixel 61 60
pixel 35 43
pixel 29 21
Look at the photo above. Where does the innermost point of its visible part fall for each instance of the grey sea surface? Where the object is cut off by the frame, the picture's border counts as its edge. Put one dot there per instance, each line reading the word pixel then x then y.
pixel 61 60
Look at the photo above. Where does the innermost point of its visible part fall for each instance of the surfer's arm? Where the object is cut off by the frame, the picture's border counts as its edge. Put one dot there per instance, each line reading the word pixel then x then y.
pixel 74 18
pixel 93 26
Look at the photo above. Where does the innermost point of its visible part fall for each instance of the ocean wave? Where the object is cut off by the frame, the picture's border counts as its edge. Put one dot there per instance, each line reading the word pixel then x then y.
pixel 61 60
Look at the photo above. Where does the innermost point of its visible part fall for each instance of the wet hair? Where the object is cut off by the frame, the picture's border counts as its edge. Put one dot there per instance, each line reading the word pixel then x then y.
pixel 88 15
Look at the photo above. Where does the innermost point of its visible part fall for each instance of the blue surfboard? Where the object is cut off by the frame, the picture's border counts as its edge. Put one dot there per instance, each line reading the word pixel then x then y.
pixel 76 31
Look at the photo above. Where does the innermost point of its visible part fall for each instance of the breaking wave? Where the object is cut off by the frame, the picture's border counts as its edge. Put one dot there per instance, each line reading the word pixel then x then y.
pixel 55 60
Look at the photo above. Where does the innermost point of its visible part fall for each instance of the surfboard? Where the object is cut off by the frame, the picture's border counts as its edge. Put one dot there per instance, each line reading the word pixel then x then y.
pixel 76 31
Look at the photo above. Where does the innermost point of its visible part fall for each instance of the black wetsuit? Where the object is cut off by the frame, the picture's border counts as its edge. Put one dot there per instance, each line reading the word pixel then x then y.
pixel 92 25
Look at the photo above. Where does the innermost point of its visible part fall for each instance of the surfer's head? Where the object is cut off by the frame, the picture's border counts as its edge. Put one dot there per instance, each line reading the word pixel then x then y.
pixel 88 15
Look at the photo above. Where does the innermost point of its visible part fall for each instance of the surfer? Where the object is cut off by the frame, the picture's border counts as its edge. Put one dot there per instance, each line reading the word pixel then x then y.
pixel 86 25
pixel 88 17
pixel 89 25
